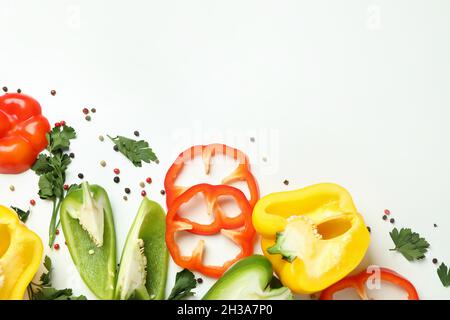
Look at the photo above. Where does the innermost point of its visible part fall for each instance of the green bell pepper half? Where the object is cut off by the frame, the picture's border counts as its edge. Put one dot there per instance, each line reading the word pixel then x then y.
pixel 94 255
pixel 248 279
pixel 145 258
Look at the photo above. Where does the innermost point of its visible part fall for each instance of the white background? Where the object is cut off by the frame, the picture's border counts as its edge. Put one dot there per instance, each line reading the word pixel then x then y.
pixel 353 92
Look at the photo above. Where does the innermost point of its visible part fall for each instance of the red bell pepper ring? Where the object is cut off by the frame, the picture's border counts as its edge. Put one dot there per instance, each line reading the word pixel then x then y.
pixel 239 230
pixel 23 131
pixel 241 173
pixel 358 282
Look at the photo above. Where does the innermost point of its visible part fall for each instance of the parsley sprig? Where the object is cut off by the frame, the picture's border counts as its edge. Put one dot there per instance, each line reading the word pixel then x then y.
pixel 45 291
pixel 410 244
pixel 444 274
pixel 135 151
pixel 184 283
pixel 51 168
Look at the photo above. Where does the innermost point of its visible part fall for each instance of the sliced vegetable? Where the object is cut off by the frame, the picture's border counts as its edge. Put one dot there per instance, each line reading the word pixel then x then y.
pixel 313 236
pixel 248 279
pixel 243 237
pixel 143 266
pixel 358 282
pixel 20 255
pixel 94 255
pixel 23 131
pixel 241 173
pixel 184 283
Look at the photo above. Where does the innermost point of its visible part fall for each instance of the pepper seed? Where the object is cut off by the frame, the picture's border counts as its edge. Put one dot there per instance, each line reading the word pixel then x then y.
pixel 93 110
pixel 136 133
pixel 127 190
pixel 142 184
pixel 116 179
pixel 116 148
pixel 392 220
pixel 72 155
pixel 286 182
pixel 101 138
pixel 12 188
pixel 19 90
pixel 80 175
pixel 103 163
pixel 5 89
pixel 435 261
pixel 88 118
pixel 53 92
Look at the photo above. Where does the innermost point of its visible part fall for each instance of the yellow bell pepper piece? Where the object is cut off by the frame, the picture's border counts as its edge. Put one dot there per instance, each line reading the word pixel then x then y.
pixel 312 236
pixel 20 255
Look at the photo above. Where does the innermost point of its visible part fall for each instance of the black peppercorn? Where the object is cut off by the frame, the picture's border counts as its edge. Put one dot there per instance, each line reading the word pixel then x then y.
pixel 72 155
pixel 199 280
pixel 392 220
pixel 5 89
pixel 435 261
pixel 80 175
pixel 368 229
pixel 163 192
pixel 136 133
pixel 286 182
pixel 53 92
pixel 127 190
pixel 19 90
pixel 116 148
pixel 385 217
pixel 116 179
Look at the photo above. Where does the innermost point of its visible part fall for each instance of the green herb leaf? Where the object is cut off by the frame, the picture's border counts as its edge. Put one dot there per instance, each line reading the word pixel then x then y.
pixel 59 139
pixel 23 215
pixel 184 283
pixel 444 274
pixel 135 151
pixel 45 291
pixel 52 170
pixel 409 244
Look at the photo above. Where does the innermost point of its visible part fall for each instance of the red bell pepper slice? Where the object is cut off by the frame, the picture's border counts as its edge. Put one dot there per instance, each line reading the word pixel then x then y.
pixel 238 230
pixel 242 172
pixel 23 131
pixel 358 282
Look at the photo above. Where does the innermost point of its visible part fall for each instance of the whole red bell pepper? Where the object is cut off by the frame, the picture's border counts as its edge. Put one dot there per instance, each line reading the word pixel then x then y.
pixel 239 229
pixel 241 173
pixel 358 282
pixel 23 131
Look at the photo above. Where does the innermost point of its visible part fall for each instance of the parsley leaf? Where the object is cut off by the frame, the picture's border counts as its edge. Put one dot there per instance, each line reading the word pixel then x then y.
pixel 135 151
pixel 59 139
pixel 51 169
pixel 23 215
pixel 409 244
pixel 45 291
pixel 444 274
pixel 184 283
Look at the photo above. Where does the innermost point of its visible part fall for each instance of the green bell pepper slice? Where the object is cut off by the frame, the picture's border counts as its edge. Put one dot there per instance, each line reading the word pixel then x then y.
pixel 248 279
pixel 88 226
pixel 145 258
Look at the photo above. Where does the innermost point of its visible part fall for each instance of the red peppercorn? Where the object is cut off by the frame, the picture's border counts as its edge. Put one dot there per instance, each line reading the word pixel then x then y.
pixel 32 202
pixel 57 231
pixel 57 124
pixel 117 171
pixel 387 212
pixel 56 246
pixel 149 180
pixel 66 187
pixel 85 110
pixel 62 123
pixel 143 193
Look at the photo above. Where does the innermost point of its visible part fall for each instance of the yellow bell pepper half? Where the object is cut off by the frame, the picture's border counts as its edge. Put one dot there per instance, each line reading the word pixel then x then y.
pixel 312 236
pixel 20 255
